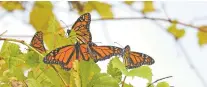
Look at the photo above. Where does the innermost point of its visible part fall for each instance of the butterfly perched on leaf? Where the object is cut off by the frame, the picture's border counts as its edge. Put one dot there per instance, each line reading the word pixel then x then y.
pixel 84 48
pixel 37 42
pixel 135 59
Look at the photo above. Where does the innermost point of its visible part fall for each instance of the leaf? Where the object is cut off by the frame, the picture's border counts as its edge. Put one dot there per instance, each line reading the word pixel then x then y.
pixel 75 73
pixel 143 71
pixel 129 2
pixel 114 72
pixel 32 59
pixel 40 15
pixel 148 7
pixel 33 83
pixel 163 84
pixel 118 64
pixel 103 80
pixel 51 74
pixel 87 70
pixel 52 39
pixel 127 85
pixel 178 33
pixel 102 8
pixel 17 72
pixel 202 37
pixel 203 28
pixel 12 5
pixel 10 50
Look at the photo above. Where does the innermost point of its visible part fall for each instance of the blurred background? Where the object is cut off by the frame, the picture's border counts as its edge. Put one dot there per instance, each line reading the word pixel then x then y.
pixel 173 33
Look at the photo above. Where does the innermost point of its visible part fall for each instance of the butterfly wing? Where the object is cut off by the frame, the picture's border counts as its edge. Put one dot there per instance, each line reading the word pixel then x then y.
pixel 136 59
pixel 99 53
pixel 66 55
pixel 37 42
pixel 81 28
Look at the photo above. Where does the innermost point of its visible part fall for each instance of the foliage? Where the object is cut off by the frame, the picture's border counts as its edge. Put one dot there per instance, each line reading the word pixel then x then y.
pixel 202 37
pixel 178 33
pixel 14 63
pixel 11 5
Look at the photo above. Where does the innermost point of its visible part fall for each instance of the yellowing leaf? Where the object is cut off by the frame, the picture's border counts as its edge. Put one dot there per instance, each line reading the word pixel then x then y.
pixel 40 15
pixel 129 2
pixel 163 84
pixel 148 7
pixel 103 9
pixel 177 33
pixel 202 37
pixel 203 28
pixel 12 5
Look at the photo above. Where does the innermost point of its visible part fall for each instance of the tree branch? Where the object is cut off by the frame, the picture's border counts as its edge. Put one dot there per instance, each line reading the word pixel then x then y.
pixel 24 43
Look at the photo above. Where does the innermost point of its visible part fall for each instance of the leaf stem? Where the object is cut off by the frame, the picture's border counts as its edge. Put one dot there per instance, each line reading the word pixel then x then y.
pixel 24 43
pixel 123 81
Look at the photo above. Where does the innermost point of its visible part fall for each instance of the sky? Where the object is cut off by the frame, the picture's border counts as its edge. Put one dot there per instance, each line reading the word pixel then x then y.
pixel 142 35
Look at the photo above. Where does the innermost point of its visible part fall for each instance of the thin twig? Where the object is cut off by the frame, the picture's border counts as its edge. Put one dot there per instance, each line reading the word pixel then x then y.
pixel 190 63
pixel 123 82
pixel 3 33
pixel 159 80
pixel 24 43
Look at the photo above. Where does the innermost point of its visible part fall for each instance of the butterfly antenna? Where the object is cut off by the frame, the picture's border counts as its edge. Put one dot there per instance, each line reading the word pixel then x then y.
pixel 65 24
pixel 119 44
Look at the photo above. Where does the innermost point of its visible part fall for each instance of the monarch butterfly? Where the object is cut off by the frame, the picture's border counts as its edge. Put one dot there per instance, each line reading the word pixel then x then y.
pixel 67 54
pixel 135 59
pixel 81 28
pixel 37 42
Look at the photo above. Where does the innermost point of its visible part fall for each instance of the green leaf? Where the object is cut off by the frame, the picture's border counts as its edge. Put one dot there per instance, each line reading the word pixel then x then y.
pixel 118 64
pixel 32 59
pixel 103 80
pixel 114 72
pixel 16 72
pixel 163 84
pixel 129 2
pixel 52 38
pixel 53 77
pixel 148 7
pixel 33 83
pixel 143 72
pixel 202 38
pixel 178 33
pixel 87 70
pixel 10 50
